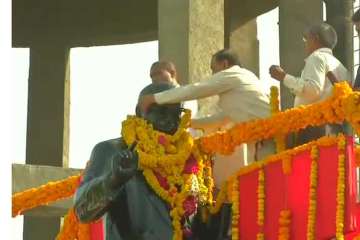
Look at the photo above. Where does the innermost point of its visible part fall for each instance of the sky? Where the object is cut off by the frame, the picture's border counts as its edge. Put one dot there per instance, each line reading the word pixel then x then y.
pixel 105 82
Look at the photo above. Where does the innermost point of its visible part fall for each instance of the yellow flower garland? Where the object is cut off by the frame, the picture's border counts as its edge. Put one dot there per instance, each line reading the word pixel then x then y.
pixel 167 155
pixel 312 194
pixel 235 199
pixel 284 224
pixel 261 203
pixel 44 194
pixel 275 109
pixel 344 104
pixel 340 190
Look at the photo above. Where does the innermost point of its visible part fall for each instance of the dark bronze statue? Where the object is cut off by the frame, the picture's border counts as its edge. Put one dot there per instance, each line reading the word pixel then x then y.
pixel 114 187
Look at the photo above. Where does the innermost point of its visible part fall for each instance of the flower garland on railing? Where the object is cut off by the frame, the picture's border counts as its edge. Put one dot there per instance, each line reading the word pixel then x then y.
pixel 44 194
pixel 173 166
pixel 344 104
pixel 72 229
pixel 352 110
pixel 312 194
pixel 290 153
pixel 259 166
pixel 340 190
pixel 275 109
pixel 357 156
pixel 284 224
pixel 261 204
pixel 235 209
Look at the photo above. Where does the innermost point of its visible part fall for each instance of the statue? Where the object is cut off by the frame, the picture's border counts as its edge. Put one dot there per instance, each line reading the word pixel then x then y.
pixel 150 183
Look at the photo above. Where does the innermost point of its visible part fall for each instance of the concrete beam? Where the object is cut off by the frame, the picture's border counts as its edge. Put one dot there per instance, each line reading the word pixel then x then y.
pixel 83 23
pixel 96 23
pixel 28 176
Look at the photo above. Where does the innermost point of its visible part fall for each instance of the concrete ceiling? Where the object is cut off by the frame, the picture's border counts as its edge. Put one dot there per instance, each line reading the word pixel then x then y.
pixel 94 22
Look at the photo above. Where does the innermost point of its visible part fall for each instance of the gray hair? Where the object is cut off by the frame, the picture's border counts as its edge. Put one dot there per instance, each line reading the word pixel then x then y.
pixel 325 33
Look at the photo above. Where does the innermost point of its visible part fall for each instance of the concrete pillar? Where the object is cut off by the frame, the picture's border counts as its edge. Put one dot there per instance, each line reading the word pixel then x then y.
pixel 243 39
pixel 294 17
pixel 47 141
pixel 338 14
pixel 190 31
pixel 241 33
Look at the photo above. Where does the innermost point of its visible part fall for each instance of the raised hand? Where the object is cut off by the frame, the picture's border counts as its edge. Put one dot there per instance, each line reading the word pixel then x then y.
pixel 277 72
pixel 124 165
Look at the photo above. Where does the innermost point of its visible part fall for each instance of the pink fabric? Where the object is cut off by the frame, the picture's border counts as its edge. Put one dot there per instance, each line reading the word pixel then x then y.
pixel 292 192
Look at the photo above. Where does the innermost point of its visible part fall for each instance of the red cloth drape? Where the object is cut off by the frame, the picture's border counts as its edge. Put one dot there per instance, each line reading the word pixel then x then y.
pixel 292 191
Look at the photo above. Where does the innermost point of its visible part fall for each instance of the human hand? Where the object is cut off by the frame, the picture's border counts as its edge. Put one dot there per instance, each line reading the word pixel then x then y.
pixel 145 102
pixel 277 72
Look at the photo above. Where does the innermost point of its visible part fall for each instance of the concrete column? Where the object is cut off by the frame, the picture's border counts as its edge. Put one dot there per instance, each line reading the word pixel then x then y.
pixel 241 32
pixel 294 17
pixel 243 39
pixel 47 141
pixel 190 31
pixel 338 14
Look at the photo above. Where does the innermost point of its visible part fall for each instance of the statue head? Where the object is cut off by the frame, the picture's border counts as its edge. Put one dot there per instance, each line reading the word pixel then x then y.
pixel 164 118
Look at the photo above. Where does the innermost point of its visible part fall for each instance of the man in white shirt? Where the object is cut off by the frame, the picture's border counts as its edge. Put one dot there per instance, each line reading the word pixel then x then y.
pixel 241 98
pixel 313 85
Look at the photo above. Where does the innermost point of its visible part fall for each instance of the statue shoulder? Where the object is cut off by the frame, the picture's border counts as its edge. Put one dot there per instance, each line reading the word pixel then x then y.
pixel 109 146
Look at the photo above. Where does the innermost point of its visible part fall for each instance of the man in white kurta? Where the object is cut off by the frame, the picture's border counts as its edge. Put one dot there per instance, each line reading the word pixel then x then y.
pixel 241 98
pixel 314 85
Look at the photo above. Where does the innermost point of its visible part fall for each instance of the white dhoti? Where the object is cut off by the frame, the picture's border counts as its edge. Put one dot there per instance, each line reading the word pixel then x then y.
pixel 245 154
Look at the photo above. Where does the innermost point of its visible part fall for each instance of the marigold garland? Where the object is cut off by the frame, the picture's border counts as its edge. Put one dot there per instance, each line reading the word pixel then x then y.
pixel 357 156
pixel 340 190
pixel 275 109
pixel 235 208
pixel 84 231
pixel 258 166
pixel 284 224
pixel 312 194
pixel 344 104
pixel 44 194
pixel 287 165
pixel 165 156
pixel 70 228
pixel 261 203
